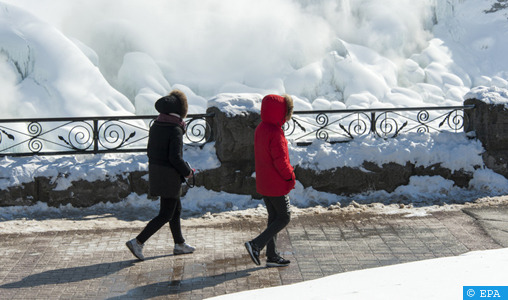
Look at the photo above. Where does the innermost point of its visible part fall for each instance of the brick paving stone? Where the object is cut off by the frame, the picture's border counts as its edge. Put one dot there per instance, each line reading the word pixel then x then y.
pixel 95 264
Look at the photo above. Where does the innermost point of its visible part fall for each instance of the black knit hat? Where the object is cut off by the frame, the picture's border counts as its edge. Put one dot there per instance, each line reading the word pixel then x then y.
pixel 175 102
pixel 168 104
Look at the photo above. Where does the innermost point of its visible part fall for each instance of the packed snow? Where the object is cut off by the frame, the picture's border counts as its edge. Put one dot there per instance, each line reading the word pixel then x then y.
pixel 441 278
pixel 62 58
pixel 492 95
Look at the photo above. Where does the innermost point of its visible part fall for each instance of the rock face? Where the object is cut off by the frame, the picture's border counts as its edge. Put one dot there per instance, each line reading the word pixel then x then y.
pixel 234 145
pixel 354 180
pixel 490 122
pixel 82 193
pixel 234 136
pixel 372 177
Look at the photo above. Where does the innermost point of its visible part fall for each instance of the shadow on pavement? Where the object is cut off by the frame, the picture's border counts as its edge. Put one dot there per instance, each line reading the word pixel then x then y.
pixel 172 287
pixel 494 220
pixel 74 274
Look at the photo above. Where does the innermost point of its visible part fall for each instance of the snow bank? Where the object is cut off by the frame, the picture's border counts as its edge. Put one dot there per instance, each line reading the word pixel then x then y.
pixel 490 95
pixel 424 194
pixel 15 171
pixel 53 77
pixel 453 151
pixel 441 278
pixel 327 54
pixel 237 104
pixel 475 39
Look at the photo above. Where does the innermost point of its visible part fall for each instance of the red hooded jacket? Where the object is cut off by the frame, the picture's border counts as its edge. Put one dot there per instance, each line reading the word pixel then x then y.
pixel 274 173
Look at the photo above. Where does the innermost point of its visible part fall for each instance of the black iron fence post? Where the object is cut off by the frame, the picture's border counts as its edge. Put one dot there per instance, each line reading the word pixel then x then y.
pixel 95 136
pixel 373 122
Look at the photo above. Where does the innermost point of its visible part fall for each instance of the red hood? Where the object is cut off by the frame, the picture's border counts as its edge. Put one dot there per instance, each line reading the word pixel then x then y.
pixel 273 110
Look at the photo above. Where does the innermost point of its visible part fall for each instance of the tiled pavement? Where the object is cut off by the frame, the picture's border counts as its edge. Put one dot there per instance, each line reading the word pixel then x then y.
pixel 97 265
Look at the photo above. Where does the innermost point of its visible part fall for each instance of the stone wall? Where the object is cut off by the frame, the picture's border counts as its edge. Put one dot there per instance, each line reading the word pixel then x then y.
pixel 234 142
pixel 82 193
pixel 490 124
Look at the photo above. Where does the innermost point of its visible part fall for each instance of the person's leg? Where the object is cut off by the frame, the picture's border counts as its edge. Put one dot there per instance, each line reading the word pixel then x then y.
pixel 174 224
pixel 166 212
pixel 181 247
pixel 271 246
pixel 280 206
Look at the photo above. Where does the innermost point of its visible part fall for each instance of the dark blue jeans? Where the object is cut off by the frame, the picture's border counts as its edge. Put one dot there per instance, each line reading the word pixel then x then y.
pixel 278 217
pixel 169 211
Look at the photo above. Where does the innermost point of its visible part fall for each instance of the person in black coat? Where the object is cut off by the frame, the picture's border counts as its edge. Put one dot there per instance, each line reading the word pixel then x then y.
pixel 166 171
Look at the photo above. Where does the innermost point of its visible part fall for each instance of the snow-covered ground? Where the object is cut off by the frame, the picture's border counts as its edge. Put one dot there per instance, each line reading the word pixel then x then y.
pixel 442 278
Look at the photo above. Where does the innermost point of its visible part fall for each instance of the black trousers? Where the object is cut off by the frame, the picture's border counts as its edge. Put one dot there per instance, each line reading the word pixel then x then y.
pixel 278 217
pixel 170 211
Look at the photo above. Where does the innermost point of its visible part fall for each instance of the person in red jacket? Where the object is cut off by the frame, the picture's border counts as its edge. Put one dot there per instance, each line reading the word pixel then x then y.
pixel 274 176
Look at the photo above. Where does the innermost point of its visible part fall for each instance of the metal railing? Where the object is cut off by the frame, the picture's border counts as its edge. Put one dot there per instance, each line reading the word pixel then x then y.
pixel 337 126
pixel 62 136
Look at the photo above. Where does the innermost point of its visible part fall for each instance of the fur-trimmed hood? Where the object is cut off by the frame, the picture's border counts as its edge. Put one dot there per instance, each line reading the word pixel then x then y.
pixel 276 109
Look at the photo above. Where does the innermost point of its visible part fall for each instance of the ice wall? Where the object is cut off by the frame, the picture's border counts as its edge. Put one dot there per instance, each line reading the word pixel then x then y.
pixel 327 53
pixel 44 74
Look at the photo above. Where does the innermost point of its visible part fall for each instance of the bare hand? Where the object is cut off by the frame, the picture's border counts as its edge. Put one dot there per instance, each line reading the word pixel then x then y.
pixel 191 174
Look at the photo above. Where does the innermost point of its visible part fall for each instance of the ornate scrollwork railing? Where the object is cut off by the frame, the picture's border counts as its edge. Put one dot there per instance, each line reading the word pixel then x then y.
pixel 47 136
pixel 344 125
pixel 22 137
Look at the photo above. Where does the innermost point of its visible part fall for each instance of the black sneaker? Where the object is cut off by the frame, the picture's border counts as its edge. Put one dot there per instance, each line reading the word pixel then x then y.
pixel 277 262
pixel 253 252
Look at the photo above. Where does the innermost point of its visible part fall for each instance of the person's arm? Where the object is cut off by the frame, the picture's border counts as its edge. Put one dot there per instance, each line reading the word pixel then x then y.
pixel 280 156
pixel 174 155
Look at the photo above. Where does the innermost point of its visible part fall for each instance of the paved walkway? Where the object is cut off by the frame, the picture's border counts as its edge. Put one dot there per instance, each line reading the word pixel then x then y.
pixel 97 265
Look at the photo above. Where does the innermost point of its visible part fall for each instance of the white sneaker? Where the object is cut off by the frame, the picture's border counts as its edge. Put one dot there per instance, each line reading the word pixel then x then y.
pixel 183 248
pixel 136 248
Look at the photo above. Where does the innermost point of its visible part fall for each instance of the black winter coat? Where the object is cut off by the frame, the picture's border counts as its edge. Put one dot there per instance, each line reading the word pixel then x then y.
pixel 166 169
